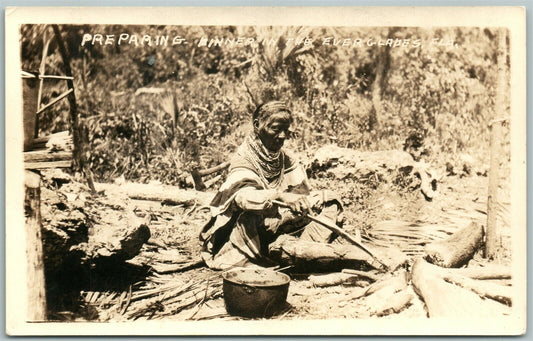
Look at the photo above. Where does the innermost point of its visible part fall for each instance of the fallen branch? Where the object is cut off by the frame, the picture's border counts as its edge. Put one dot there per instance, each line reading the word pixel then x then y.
pixel 496 292
pixel 487 272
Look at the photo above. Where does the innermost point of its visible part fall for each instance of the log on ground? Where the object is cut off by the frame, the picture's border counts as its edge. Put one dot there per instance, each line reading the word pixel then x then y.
pixel 312 256
pixel 446 300
pixel 458 249
pixel 163 193
pixel 336 278
pixel 500 293
pixel 490 271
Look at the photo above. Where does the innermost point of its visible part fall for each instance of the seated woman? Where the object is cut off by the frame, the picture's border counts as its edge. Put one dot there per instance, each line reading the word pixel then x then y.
pixel 244 219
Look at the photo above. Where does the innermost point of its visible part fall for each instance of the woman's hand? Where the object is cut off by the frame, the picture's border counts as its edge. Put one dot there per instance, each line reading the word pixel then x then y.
pixel 296 202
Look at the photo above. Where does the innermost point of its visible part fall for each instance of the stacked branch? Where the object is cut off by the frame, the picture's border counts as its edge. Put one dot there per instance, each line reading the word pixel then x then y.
pixel 448 294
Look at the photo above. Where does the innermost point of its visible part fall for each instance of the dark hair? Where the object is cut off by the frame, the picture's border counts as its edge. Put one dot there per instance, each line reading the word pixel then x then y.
pixel 270 108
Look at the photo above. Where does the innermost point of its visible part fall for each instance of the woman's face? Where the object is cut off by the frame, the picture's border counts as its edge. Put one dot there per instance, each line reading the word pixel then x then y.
pixel 273 131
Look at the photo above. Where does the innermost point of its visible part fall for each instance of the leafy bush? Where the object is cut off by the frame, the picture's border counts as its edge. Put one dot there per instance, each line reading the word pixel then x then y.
pixel 198 105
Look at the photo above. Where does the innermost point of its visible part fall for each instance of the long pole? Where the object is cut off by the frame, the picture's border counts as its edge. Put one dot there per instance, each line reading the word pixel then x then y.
pixel 492 235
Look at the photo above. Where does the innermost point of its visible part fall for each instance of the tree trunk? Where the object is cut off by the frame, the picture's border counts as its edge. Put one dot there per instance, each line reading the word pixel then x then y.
pixel 34 249
pixel 492 240
pixel 80 162
pixel 382 68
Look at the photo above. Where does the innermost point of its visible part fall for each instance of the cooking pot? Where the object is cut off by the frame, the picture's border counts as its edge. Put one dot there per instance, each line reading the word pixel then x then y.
pixel 254 292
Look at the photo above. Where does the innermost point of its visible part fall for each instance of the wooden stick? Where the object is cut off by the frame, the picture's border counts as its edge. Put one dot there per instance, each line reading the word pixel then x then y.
pixel 331 226
pixel 214 169
pixel 55 77
pixel 34 249
pixel 361 274
pixel 50 164
pixel 496 292
pixel 169 268
pixel 487 272
pixel 41 81
pixel 46 156
pixel 198 174
pixel 55 100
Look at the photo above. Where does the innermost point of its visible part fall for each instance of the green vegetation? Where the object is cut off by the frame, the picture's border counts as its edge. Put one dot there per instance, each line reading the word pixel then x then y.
pixel 435 99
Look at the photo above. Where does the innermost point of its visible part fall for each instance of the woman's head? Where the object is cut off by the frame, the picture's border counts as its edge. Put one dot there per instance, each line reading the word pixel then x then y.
pixel 272 121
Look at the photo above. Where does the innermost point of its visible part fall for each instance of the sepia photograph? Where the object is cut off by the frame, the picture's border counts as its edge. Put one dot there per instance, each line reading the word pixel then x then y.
pixel 265 171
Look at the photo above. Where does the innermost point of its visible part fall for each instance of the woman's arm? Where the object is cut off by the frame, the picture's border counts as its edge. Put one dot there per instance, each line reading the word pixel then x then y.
pixel 252 199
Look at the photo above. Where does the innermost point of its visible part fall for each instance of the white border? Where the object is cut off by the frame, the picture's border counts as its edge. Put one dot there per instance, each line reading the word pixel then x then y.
pixel 510 17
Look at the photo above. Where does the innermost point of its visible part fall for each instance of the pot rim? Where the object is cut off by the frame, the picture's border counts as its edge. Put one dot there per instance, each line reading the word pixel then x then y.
pixel 286 278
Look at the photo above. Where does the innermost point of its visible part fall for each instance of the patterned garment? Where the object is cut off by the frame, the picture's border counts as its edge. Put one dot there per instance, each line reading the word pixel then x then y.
pixel 243 222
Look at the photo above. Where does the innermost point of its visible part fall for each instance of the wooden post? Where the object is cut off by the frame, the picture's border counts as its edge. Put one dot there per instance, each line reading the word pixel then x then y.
pixel 34 249
pixel 492 238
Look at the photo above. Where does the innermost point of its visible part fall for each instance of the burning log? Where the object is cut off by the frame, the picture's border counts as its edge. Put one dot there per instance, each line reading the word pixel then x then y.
pixel 456 250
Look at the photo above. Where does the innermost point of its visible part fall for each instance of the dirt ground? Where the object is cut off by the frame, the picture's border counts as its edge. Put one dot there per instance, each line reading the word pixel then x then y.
pixel 174 235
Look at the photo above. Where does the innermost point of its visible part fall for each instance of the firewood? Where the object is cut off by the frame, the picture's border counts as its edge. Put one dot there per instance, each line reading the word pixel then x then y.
pixel 496 292
pixel 394 303
pixel 446 300
pixel 392 284
pixel 456 250
pixel 46 156
pixel 491 271
pixel 332 279
pixel 366 274
pixel 48 164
